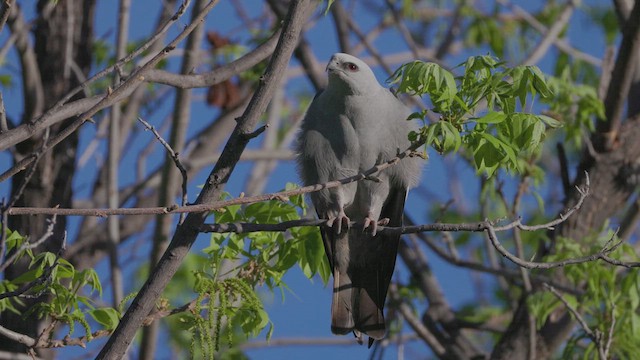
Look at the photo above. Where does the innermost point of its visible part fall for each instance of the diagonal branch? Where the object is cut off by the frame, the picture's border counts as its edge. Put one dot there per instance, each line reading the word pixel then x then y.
pixel 561 44
pixel 77 107
pixel 551 35
pixel 110 98
pixel 186 233
pixel 174 157
pixel 416 324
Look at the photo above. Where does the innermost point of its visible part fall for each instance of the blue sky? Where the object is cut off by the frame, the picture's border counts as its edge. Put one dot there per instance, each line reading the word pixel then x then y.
pixel 305 311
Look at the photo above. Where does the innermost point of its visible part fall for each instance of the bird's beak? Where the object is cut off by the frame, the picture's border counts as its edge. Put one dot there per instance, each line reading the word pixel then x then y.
pixel 332 65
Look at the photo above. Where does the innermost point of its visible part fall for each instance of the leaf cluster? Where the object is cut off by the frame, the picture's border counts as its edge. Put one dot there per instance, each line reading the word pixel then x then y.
pixel 258 258
pixel 266 256
pixel 484 110
pixel 231 302
pixel 65 288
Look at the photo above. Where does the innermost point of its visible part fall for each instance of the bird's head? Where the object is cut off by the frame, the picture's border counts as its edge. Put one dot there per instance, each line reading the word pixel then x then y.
pixel 350 75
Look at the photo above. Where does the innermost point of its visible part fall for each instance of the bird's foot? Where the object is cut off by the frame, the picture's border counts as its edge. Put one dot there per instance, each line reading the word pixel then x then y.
pixel 370 224
pixel 337 222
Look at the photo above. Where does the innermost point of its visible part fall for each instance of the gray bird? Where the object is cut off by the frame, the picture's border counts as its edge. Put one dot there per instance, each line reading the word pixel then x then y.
pixel 351 126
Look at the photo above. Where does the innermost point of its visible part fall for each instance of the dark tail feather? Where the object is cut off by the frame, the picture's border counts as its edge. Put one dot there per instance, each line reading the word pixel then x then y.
pixel 353 309
pixel 342 305
pixel 369 302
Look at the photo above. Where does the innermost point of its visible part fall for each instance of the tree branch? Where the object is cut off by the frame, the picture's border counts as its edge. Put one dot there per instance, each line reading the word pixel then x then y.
pixel 5 9
pixel 169 182
pixel 621 79
pixel 186 233
pixel 215 205
pixel 561 44
pixel 415 323
pixel 77 107
pixel 118 93
pixel 595 335
pixel 551 35
pixel 32 90
pixel 174 156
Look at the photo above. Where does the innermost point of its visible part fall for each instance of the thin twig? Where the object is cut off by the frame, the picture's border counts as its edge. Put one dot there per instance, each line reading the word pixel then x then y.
pixel 595 335
pixel 82 340
pixel 572 310
pixel 404 31
pixel 113 159
pixel 607 345
pixel 174 157
pixel 584 192
pixel 415 323
pixel 342 29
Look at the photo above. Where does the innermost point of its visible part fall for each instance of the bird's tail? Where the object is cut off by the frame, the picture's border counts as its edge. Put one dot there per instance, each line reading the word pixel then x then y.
pixel 342 305
pixel 353 308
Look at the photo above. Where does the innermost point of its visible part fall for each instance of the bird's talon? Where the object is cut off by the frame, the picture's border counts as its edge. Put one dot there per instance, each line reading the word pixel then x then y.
pixel 370 224
pixel 338 222
pixel 346 222
pixel 366 224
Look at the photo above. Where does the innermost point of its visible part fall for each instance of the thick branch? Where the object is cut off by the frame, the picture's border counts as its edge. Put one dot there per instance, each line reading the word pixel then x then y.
pixel 186 233
pixel 621 78
pixel 5 9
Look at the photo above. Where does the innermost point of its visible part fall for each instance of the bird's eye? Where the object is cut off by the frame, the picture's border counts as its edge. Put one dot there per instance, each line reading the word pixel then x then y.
pixel 351 66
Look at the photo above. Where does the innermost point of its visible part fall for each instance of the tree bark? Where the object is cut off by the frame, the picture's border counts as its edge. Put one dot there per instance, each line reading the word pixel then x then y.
pixel 63 36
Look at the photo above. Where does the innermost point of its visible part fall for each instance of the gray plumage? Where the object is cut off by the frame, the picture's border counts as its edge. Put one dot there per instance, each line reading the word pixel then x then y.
pixel 351 126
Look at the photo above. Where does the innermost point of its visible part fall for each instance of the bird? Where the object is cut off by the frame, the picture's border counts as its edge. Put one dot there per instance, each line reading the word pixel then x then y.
pixel 352 125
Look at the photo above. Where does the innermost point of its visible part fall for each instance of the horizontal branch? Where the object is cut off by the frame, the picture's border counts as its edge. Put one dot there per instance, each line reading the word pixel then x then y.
pixel 175 209
pixel 285 225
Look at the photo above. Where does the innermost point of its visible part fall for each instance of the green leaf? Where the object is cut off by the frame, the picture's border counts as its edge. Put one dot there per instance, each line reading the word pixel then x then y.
pixel 65 269
pixel 14 240
pixel 107 317
pixel 451 137
pixel 493 117
pixel 549 121
pixel 29 276
pixel 539 82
